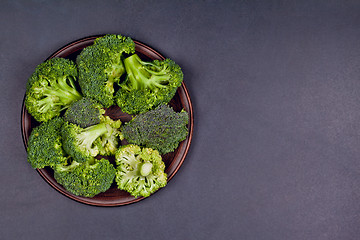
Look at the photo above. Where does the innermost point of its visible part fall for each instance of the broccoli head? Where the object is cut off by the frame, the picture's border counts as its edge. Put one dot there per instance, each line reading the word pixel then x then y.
pixel 148 84
pixel 100 66
pixel 81 143
pixel 51 88
pixel 85 179
pixel 139 171
pixel 161 129
pixel 85 112
pixel 45 144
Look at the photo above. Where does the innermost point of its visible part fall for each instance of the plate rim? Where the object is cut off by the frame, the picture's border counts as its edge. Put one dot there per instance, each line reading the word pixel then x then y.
pixel 42 172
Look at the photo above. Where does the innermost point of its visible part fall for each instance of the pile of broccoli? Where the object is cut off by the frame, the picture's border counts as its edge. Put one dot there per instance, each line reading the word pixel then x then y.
pixel 80 143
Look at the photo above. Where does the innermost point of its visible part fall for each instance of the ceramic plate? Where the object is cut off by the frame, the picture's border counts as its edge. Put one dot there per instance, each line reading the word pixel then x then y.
pixel 173 161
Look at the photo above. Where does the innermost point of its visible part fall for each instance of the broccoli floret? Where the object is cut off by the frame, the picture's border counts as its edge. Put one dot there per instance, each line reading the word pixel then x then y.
pixel 80 143
pixel 45 144
pixel 139 171
pixel 100 66
pixel 85 179
pixel 84 143
pixel 148 84
pixel 161 129
pixel 85 112
pixel 51 88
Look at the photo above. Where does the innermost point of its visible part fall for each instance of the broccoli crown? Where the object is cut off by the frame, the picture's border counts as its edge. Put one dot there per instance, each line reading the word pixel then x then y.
pixel 45 144
pixel 109 142
pixel 85 179
pixel 147 84
pixel 51 89
pixel 80 143
pixel 100 66
pixel 139 171
pixel 161 129
pixel 85 112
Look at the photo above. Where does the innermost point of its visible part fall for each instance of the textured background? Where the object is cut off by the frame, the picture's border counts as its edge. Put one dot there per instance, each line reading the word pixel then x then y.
pixel 276 93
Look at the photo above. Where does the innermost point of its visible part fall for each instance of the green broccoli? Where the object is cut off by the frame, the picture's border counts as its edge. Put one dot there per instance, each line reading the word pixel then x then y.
pixel 148 84
pixel 45 144
pixel 85 112
pixel 108 142
pixel 81 143
pixel 85 179
pixel 139 171
pixel 51 88
pixel 161 129
pixel 84 143
pixel 100 66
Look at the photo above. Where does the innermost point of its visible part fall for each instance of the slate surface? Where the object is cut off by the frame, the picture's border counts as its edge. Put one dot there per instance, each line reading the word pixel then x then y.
pixel 276 93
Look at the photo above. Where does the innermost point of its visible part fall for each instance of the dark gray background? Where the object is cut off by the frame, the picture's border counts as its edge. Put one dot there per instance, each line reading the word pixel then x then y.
pixel 276 92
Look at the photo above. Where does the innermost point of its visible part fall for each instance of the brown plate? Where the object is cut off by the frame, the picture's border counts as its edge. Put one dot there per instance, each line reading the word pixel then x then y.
pixel 173 161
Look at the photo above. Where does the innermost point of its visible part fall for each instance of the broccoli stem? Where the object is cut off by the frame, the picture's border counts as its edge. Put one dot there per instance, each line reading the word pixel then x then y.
pixel 145 169
pixel 90 134
pixel 46 104
pixel 110 84
pixel 141 74
pixel 66 168
pixel 58 93
pixel 136 73
pixel 69 90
